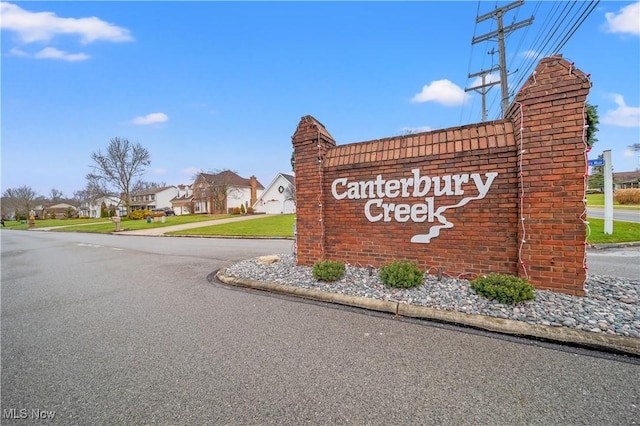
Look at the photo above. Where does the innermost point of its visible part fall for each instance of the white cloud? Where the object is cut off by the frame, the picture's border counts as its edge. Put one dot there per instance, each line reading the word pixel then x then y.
pixel 528 54
pixel 17 52
pixel 191 171
pixel 626 21
pixel 410 130
pixel 623 116
pixel 53 53
pixel 629 154
pixel 155 117
pixel 160 171
pixel 43 26
pixel 443 92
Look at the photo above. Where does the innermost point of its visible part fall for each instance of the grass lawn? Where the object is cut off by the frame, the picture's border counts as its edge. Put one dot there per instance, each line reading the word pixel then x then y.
pixel 623 232
pixel 45 223
pixel 268 226
pixel 132 225
pixel 597 200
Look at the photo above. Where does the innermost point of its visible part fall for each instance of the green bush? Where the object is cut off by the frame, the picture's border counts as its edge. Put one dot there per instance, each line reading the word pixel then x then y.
pixel 505 289
pixel 328 270
pixel 401 274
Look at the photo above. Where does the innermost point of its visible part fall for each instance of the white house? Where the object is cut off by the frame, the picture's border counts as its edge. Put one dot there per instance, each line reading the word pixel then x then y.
pixel 153 198
pixel 279 197
pixel 92 208
pixel 183 202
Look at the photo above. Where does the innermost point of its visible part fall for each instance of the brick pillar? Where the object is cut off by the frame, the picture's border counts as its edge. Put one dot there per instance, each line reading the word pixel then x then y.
pixel 311 142
pixel 254 190
pixel 549 115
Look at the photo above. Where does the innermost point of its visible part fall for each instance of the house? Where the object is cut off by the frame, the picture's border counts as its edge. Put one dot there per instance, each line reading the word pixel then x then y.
pixel 153 198
pixel 279 197
pixel 626 180
pixel 221 192
pixel 183 202
pixel 55 211
pixel 93 208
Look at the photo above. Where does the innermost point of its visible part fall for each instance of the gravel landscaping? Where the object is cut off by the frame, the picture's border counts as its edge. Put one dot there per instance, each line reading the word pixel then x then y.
pixel 611 306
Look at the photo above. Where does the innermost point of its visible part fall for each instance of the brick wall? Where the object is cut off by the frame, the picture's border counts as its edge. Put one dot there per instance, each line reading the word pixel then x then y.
pixel 503 196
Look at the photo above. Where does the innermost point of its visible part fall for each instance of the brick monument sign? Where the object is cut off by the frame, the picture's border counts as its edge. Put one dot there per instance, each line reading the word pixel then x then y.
pixel 503 196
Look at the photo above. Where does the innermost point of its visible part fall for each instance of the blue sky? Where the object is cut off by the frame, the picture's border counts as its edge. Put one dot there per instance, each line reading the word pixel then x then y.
pixel 223 85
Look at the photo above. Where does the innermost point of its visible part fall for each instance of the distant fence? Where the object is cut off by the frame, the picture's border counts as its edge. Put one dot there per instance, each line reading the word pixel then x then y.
pixel 505 196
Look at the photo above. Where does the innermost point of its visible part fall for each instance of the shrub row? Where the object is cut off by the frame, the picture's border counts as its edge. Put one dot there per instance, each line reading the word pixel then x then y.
pixel 505 289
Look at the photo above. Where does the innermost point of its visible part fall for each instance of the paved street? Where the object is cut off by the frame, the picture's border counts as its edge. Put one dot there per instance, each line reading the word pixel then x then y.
pixel 103 329
pixel 618 214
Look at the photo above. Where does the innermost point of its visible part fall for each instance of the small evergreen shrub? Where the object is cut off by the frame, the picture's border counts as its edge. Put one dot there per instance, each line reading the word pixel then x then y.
pixel 505 289
pixel 401 274
pixel 328 270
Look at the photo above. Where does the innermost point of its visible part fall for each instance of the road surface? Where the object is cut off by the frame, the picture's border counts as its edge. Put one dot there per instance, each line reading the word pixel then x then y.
pixel 103 329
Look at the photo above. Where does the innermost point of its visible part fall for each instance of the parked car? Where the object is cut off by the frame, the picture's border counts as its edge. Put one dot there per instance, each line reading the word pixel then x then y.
pixel 166 210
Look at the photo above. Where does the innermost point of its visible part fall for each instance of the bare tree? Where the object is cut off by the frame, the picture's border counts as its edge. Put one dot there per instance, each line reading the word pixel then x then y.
pixel 142 185
pixel 290 193
pixel 19 201
pixel 115 171
pixel 55 195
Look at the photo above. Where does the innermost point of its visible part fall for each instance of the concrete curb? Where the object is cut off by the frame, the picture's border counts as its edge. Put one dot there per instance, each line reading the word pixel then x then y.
pixel 620 344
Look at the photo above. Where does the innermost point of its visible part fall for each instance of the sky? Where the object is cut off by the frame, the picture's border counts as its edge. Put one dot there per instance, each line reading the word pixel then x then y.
pixel 223 85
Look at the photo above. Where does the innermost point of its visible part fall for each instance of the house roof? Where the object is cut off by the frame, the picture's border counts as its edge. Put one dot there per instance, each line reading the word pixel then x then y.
pixel 290 178
pixel 151 191
pixel 622 177
pixel 227 177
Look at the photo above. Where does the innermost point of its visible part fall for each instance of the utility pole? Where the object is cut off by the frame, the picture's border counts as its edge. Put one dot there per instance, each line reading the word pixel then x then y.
pixel 483 89
pixel 498 14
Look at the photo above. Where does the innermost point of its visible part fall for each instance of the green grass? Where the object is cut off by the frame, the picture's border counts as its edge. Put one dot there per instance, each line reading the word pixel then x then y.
pixel 597 200
pixel 268 226
pixel 623 232
pixel 133 225
pixel 45 223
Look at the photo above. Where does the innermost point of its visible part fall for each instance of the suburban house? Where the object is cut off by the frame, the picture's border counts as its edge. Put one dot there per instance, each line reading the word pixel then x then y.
pixel 55 211
pixel 93 208
pixel 279 197
pixel 153 198
pixel 626 180
pixel 221 192
pixel 183 202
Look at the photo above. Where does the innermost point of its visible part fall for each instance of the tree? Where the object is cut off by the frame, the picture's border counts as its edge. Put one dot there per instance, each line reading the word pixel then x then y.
pixel 114 172
pixel 214 188
pixel 596 179
pixel 635 147
pixel 290 193
pixel 55 196
pixel 592 124
pixel 142 185
pixel 19 201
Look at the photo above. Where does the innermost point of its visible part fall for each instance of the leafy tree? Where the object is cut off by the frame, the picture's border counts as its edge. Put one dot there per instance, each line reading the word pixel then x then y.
pixel 592 124
pixel 293 162
pixel 596 179
pixel 114 172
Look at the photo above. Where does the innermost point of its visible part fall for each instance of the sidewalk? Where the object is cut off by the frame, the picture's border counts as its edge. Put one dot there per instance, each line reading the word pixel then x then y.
pixel 159 232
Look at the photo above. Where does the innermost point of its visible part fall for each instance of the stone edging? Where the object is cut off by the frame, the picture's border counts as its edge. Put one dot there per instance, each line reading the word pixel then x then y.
pixel 626 345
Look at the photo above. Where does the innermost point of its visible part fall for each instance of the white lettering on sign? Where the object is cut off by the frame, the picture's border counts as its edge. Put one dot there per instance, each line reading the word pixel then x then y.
pixel 417 186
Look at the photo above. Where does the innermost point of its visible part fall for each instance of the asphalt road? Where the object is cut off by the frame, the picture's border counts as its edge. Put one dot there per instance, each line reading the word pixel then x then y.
pixel 101 329
pixel 618 214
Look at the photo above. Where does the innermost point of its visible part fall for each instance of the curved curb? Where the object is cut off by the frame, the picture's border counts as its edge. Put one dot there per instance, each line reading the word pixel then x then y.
pixel 621 344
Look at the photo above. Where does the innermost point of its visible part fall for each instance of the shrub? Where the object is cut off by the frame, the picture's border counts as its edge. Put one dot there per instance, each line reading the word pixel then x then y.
pixel 505 289
pixel 249 210
pixel 401 274
pixel 627 196
pixel 328 270
pixel 242 209
pixel 236 210
pixel 139 214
